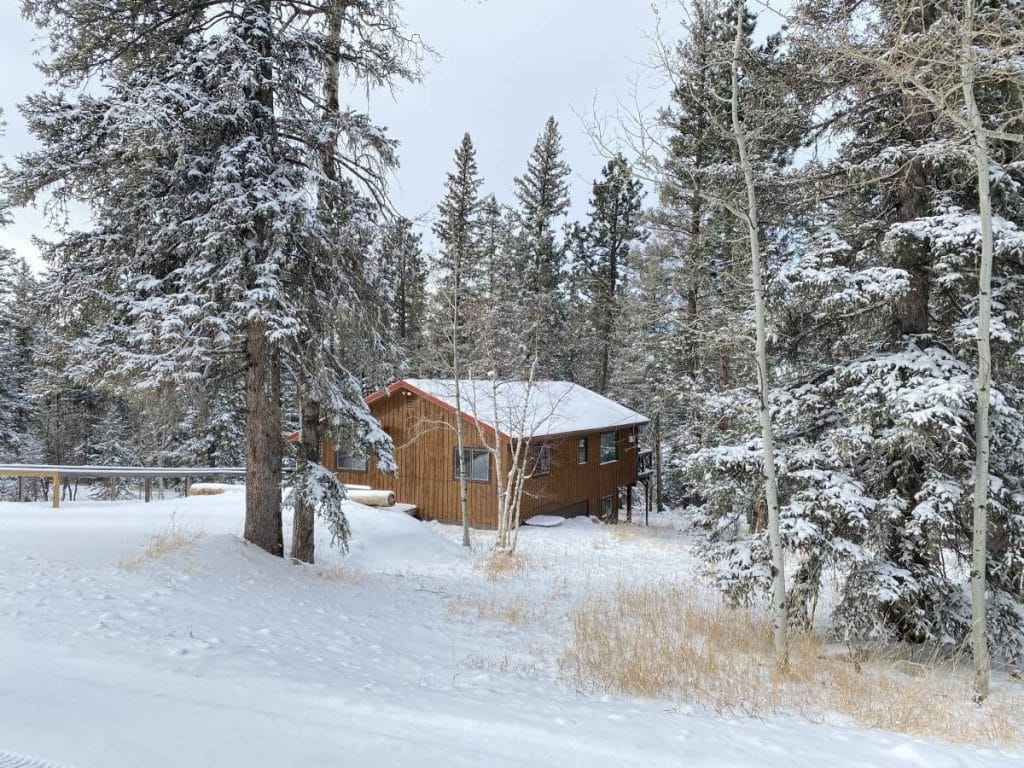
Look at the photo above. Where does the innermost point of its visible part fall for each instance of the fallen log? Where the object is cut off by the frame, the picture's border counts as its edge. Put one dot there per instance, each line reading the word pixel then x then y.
pixel 372 498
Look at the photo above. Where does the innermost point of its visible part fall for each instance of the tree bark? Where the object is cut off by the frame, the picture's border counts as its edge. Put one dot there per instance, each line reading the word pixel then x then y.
pixel 263 442
pixel 304 522
pixel 979 549
pixel 779 620
pixel 263 363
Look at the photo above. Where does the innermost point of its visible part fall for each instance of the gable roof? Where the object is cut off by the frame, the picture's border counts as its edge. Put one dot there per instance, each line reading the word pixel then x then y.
pixel 520 408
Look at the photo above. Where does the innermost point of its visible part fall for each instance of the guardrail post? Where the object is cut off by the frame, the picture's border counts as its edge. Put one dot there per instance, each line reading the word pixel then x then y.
pixel 146 489
pixel 56 491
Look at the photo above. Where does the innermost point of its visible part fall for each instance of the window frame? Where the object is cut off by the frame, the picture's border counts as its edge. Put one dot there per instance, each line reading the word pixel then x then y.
pixel 583 450
pixel 601 447
pixel 340 458
pixel 473 451
pixel 537 452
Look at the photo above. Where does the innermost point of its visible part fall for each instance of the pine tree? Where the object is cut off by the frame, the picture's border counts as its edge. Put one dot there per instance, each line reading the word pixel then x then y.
pixel 893 400
pixel 196 157
pixel 543 197
pixel 602 252
pixel 458 228
pixel 404 269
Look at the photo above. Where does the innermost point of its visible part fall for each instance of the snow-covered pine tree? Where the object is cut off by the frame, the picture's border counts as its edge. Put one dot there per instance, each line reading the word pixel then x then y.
pixel 458 266
pixel 404 267
pixel 882 297
pixel 601 254
pixel 195 139
pixel 542 193
pixel 18 441
pixel 752 127
pixel 337 285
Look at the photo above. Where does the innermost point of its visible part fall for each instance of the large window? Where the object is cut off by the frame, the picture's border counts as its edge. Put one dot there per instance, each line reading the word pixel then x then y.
pixel 582 451
pixel 542 460
pixel 477 461
pixel 609 447
pixel 346 461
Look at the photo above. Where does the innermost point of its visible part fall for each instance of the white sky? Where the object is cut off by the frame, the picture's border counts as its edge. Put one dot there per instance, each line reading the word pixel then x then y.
pixel 506 66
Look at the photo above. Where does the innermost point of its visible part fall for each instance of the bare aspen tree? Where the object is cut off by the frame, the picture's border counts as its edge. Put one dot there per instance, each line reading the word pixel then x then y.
pixel 751 219
pixel 458 230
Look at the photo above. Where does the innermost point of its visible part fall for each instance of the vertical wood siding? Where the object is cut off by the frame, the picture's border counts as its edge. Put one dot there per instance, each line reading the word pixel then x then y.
pixel 424 437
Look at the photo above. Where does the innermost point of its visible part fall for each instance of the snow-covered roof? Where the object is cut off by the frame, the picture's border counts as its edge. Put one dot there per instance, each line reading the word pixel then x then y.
pixel 522 408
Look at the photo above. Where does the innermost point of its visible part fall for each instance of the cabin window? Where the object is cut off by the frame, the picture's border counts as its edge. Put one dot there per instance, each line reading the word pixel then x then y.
pixel 609 447
pixel 582 452
pixel 348 462
pixel 477 461
pixel 542 460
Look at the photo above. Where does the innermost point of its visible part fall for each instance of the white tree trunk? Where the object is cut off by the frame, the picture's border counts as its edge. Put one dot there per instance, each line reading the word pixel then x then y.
pixel 460 441
pixel 779 622
pixel 979 548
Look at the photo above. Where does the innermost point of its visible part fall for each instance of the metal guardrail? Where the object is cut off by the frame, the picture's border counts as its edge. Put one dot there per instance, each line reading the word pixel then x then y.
pixel 55 472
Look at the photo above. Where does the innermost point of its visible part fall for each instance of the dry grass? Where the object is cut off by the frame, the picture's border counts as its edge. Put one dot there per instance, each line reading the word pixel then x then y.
pixel 201 489
pixel 500 565
pixel 176 537
pixel 340 574
pixel 680 644
pixel 516 610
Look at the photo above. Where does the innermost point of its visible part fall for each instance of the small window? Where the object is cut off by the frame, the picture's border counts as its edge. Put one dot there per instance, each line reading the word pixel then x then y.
pixel 582 452
pixel 348 462
pixel 542 460
pixel 477 461
pixel 609 447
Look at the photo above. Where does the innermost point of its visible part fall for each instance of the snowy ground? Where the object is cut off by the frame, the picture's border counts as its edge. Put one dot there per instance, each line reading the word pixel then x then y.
pixel 221 655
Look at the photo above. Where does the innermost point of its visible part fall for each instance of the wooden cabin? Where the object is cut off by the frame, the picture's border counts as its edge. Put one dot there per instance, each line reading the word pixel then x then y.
pixel 584 449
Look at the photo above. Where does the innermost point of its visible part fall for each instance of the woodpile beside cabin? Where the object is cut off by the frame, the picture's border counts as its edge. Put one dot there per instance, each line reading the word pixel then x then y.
pixel 584 449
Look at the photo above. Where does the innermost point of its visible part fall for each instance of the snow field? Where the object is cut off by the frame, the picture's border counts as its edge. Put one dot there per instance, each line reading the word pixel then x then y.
pixel 409 651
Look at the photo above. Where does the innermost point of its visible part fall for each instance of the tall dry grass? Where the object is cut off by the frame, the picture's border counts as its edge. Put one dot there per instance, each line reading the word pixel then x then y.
pixel 499 565
pixel 176 537
pixel 669 642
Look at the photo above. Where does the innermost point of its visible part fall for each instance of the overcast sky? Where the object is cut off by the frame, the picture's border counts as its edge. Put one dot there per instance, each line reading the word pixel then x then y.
pixel 505 66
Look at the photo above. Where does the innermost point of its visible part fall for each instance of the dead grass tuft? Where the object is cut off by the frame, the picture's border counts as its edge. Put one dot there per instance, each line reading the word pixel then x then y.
pixel 176 537
pixel 205 490
pixel 515 610
pixel 504 665
pixel 340 574
pixel 677 643
pixel 500 565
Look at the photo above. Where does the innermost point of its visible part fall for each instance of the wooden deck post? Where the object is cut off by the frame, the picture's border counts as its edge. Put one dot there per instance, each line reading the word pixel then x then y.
pixel 56 491
pixel 629 503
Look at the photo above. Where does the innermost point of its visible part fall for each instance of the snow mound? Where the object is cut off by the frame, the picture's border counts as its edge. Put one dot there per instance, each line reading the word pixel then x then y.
pixel 385 540
pixel 545 521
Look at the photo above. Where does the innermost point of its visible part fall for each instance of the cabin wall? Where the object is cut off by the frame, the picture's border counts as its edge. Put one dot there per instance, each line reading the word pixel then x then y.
pixel 424 438
pixel 571 483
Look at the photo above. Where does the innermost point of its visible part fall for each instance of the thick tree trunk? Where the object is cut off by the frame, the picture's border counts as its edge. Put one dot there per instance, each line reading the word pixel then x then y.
pixel 263 363
pixel 779 619
pixel 263 442
pixel 979 549
pixel 310 440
